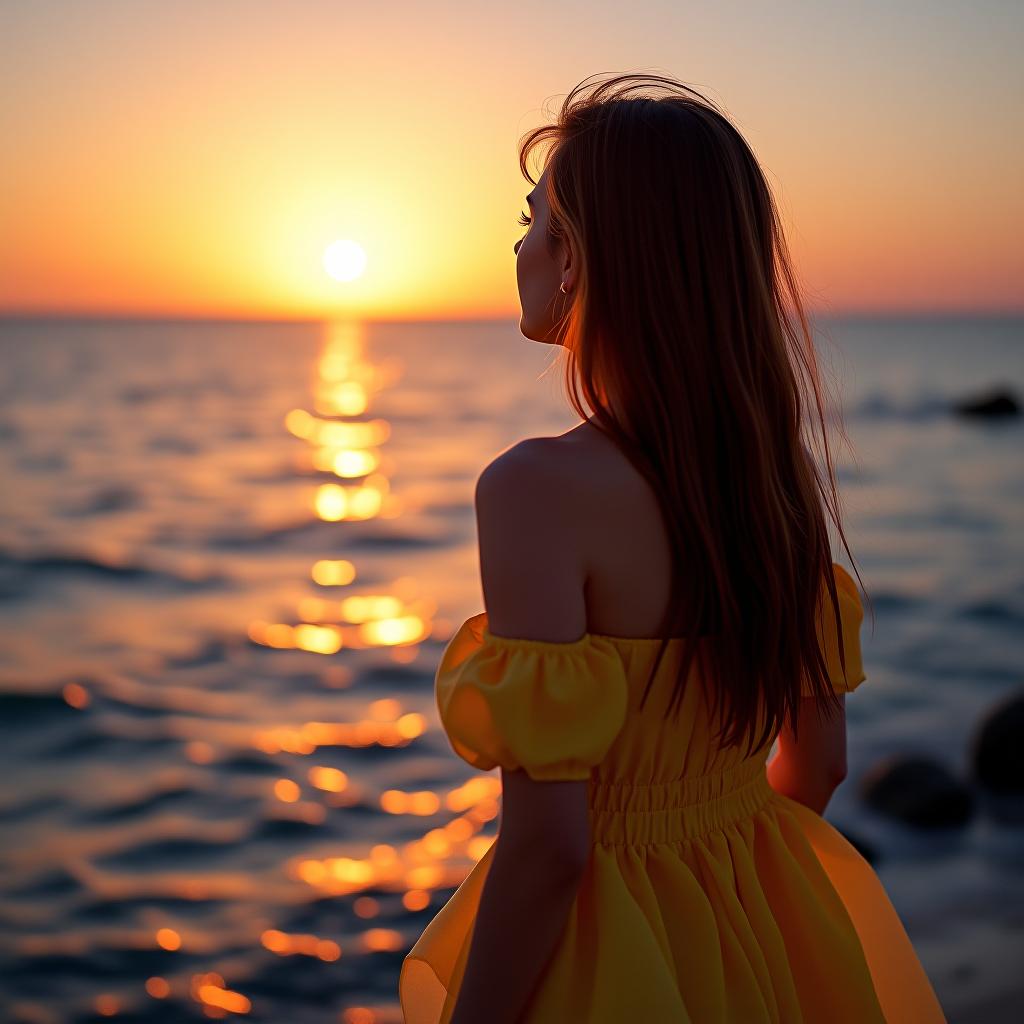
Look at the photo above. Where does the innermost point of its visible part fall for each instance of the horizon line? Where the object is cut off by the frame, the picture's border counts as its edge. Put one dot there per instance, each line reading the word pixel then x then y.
pixel 228 318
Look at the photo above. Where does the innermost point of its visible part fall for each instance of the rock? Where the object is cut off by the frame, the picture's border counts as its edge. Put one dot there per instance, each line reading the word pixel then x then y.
pixel 996 402
pixel 1004 809
pixel 997 750
pixel 917 791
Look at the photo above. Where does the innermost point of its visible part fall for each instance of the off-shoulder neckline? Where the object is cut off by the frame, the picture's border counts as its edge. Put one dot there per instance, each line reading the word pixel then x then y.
pixel 477 624
pixel 646 640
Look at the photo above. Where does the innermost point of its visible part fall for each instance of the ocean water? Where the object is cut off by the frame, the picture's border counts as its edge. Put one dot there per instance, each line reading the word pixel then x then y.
pixel 225 790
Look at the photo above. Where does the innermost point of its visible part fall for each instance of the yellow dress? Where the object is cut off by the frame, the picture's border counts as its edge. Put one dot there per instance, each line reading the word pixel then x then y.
pixel 708 897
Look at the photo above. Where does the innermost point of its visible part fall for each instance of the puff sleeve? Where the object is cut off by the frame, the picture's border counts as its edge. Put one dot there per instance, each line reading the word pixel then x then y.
pixel 552 709
pixel 851 613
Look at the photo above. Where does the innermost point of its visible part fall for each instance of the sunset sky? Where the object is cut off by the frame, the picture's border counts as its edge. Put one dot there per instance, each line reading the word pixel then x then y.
pixel 197 158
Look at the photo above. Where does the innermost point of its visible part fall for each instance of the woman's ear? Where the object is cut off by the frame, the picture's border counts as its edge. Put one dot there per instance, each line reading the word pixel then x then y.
pixel 568 270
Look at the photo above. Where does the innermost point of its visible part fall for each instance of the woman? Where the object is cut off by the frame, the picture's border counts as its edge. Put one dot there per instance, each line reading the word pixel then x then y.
pixel 661 604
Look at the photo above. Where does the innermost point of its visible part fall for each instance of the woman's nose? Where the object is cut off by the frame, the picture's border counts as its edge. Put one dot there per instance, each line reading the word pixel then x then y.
pixel 515 248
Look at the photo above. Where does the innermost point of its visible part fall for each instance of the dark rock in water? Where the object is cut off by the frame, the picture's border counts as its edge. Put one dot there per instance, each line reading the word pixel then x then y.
pixel 1004 808
pixel 917 791
pixel 997 750
pixel 864 848
pixel 997 402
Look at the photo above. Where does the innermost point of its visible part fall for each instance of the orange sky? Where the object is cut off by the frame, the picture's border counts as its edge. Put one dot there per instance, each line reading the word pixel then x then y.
pixel 191 158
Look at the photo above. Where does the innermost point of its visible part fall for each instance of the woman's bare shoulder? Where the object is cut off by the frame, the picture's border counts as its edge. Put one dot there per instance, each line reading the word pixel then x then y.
pixel 532 470
pixel 569 462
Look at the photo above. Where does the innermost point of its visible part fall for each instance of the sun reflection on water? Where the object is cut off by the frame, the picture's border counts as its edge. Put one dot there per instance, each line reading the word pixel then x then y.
pixel 345 442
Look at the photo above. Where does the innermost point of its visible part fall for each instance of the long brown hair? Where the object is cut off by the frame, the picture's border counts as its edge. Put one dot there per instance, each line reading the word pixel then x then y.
pixel 681 341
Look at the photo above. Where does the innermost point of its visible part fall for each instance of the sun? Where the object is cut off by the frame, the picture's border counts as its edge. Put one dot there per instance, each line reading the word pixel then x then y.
pixel 344 260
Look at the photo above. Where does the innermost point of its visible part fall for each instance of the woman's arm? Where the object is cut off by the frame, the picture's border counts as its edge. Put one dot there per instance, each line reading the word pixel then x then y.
pixel 523 910
pixel 811 790
pixel 810 771
pixel 533 578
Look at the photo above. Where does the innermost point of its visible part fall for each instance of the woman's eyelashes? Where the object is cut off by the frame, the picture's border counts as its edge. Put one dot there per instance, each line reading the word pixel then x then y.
pixel 525 220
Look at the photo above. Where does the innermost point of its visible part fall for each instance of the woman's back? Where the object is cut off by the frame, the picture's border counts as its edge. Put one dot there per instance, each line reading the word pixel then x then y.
pixel 620 530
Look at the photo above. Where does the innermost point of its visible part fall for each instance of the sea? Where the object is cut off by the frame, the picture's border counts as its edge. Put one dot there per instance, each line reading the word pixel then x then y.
pixel 231 554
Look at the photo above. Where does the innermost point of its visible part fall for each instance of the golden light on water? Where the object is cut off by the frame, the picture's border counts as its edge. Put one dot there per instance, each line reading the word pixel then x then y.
pixel 106 1005
pixel 379 940
pixel 363 608
pixel 284 944
pixel 348 463
pixel 158 987
pixel 397 731
pixel 333 573
pixel 426 876
pixel 300 423
pixel 385 709
pixel 333 502
pixel 411 725
pixel 389 632
pixel 337 433
pixel 331 780
pixel 416 899
pixel 210 990
pixel 286 791
pixel 473 791
pixel 344 260
pixel 305 636
pixel 425 802
pixel 366 906
pixel 359 1015
pixel 168 938
pixel 322 639
pixel 76 695
pixel 349 398
pixel 419 866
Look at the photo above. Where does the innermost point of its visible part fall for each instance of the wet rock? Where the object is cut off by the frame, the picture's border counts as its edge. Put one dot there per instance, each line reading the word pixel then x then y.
pixel 993 403
pixel 997 749
pixel 917 791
